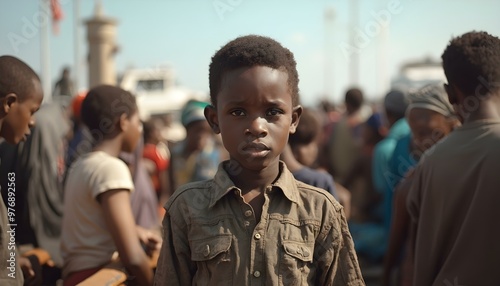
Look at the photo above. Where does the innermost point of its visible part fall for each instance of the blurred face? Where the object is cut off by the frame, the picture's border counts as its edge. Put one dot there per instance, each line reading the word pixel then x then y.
pixel 197 135
pixel 254 115
pixel 19 114
pixel 427 127
pixel 132 129
pixel 306 154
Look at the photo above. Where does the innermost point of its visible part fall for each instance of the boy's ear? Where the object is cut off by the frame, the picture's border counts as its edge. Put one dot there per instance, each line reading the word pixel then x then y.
pixel 123 122
pixel 455 96
pixel 211 116
pixel 296 112
pixel 451 96
pixel 7 101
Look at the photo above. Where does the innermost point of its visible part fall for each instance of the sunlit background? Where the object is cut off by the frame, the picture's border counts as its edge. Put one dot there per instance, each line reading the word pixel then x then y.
pixel 337 44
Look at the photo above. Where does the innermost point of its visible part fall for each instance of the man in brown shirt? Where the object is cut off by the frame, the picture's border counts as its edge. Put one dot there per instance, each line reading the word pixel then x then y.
pixel 456 188
pixel 254 224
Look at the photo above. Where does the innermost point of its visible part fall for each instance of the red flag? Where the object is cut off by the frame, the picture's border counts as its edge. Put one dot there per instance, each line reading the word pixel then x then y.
pixel 57 15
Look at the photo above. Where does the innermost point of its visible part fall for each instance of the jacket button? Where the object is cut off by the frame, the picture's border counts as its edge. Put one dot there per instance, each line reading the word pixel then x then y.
pixel 257 236
pixel 206 252
pixel 256 274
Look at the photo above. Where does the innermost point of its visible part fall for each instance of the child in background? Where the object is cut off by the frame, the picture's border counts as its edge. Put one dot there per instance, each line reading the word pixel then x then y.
pixel 98 218
pixel 20 97
pixel 156 157
pixel 195 158
pixel 304 148
pixel 253 223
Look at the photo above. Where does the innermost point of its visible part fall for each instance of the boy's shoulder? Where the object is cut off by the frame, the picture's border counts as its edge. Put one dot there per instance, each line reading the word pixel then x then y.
pixel 316 196
pixel 98 159
pixel 192 193
pixel 97 164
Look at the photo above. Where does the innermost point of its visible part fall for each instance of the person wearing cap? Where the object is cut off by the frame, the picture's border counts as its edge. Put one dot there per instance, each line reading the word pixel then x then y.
pixel 431 117
pixel 197 157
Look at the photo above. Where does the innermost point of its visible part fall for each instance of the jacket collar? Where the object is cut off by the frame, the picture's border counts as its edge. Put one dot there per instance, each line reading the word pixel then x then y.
pixel 285 182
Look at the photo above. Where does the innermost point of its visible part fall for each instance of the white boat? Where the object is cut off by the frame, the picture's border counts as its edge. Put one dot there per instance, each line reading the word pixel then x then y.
pixel 156 91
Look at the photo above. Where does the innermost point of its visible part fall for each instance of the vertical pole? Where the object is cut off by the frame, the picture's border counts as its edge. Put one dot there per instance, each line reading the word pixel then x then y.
pixel 45 51
pixel 354 60
pixel 383 80
pixel 76 43
pixel 328 62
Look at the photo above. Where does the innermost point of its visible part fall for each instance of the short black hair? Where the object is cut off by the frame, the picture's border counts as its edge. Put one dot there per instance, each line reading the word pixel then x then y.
pixel 307 130
pixel 147 128
pixel 354 98
pixel 250 51
pixel 16 77
pixel 102 108
pixel 473 60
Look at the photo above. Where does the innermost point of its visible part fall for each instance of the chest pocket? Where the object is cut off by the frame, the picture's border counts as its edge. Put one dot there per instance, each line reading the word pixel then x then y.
pixel 295 263
pixel 213 260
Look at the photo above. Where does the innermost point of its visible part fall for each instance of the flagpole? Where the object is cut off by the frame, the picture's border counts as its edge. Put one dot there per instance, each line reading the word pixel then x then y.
pixel 45 52
pixel 76 43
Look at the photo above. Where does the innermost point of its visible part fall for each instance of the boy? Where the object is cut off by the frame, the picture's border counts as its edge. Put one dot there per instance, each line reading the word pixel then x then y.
pixel 98 217
pixel 196 157
pixel 455 191
pixel 253 223
pixel 20 97
pixel 303 151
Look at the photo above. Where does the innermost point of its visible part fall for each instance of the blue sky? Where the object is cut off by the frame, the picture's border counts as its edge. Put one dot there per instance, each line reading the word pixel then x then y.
pixel 185 34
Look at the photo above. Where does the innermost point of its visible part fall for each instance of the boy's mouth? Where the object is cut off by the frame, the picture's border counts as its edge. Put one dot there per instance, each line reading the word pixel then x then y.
pixel 256 149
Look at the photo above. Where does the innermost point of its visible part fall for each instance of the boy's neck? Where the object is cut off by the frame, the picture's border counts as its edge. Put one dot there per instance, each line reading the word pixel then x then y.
pixel 110 146
pixel 249 180
pixel 486 109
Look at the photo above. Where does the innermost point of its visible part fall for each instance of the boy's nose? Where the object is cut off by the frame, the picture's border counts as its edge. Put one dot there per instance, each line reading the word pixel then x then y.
pixel 258 127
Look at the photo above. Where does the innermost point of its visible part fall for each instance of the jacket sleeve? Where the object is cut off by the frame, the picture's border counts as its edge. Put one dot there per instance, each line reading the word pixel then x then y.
pixel 335 255
pixel 174 263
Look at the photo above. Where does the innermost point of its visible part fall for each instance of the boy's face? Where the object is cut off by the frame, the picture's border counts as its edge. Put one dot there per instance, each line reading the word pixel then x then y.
pixel 132 128
pixel 254 115
pixel 19 114
pixel 427 127
pixel 198 134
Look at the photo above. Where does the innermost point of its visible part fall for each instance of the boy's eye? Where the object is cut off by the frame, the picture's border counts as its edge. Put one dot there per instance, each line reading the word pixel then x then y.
pixel 237 112
pixel 274 111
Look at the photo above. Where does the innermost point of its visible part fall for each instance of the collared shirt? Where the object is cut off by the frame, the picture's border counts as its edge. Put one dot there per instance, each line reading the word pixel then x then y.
pixel 211 236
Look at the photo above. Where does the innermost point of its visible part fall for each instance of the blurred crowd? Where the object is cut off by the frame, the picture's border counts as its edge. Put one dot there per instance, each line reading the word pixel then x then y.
pixel 363 153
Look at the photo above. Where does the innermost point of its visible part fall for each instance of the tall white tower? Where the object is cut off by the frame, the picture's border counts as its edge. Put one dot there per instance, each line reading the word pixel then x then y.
pixel 101 37
pixel 328 92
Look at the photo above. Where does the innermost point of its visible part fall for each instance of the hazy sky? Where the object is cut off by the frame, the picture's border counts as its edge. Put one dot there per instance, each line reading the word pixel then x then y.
pixel 185 34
